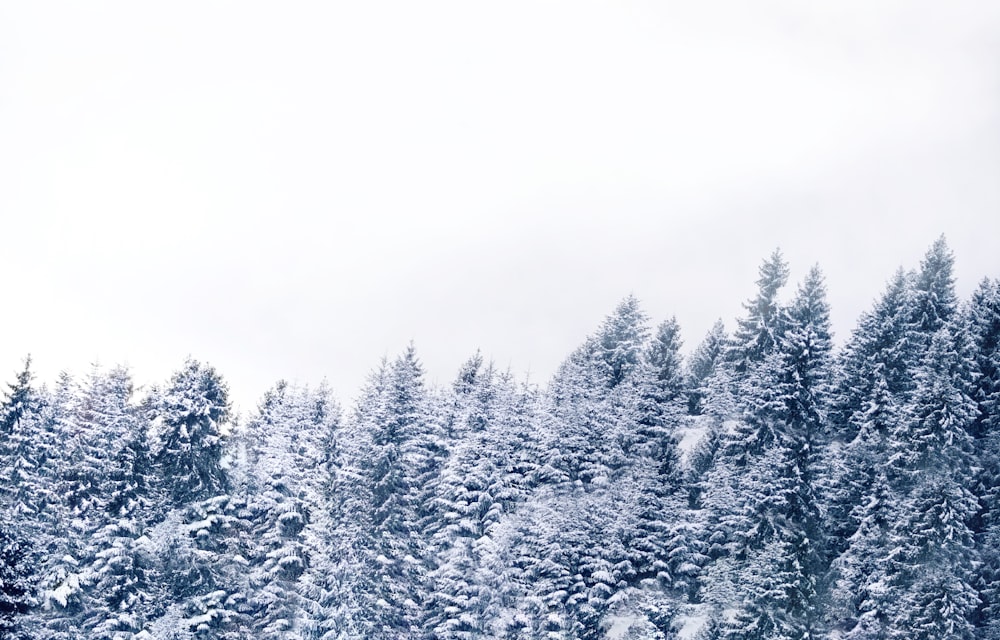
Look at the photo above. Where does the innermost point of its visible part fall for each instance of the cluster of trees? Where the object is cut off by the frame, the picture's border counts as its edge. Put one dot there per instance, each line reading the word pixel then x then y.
pixel 767 486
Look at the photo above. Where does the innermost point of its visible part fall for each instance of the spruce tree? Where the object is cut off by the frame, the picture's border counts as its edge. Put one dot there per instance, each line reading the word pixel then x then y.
pixel 16 584
pixel 786 416
pixel 929 560
pixel 935 301
pixel 758 332
pixel 289 439
pixel 702 365
pixel 984 326
pixel 399 462
pixel 188 419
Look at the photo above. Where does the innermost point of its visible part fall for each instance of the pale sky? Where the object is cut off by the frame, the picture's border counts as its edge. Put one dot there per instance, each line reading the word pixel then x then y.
pixel 295 189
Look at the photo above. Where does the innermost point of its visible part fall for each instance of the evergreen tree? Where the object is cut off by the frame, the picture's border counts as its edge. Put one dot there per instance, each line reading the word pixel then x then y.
pixel 786 415
pixel 188 418
pixel 16 584
pixel 927 566
pixel 665 358
pixel 702 365
pixel 20 430
pixel 200 525
pixel 620 342
pixel 402 457
pixel 881 351
pixel 289 440
pixel 486 476
pixel 984 325
pixel 758 333
pixel 93 577
pixel 935 302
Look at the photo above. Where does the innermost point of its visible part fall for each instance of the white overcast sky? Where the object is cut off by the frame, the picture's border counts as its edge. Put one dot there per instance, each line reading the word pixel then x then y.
pixel 295 189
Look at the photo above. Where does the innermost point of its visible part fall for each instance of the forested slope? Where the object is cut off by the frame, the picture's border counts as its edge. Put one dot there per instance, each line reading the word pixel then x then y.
pixel 767 486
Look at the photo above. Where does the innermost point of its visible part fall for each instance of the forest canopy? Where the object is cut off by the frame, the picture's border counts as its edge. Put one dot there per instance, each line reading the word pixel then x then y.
pixel 765 484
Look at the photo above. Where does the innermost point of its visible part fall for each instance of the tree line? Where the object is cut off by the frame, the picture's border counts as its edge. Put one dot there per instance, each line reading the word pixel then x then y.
pixel 766 486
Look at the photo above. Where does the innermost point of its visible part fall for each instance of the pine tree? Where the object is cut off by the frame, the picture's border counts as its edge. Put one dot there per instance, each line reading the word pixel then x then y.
pixel 984 325
pixel 20 429
pixel 200 525
pixel 16 584
pixel 881 351
pixel 20 400
pixel 758 333
pixel 873 386
pixel 935 302
pixel 485 477
pixel 621 340
pixel 702 365
pixel 664 357
pixel 289 440
pixel 400 461
pixel 93 577
pixel 929 559
pixel 787 416
pixel 188 418
pixel 122 573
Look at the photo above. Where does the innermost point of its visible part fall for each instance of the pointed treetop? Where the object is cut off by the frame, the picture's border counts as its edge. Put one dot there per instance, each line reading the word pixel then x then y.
pixel 809 305
pixel 773 275
pixel 936 301
pixel 469 373
pixel 664 356
pixel 758 332
pixel 18 399
pixel 620 341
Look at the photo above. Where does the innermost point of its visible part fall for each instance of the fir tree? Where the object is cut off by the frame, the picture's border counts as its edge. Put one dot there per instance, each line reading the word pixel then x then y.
pixel 935 302
pixel 702 365
pixel 929 559
pixel 984 325
pixel 188 417
pixel 401 458
pixel 16 584
pixel 289 440
pixel 758 332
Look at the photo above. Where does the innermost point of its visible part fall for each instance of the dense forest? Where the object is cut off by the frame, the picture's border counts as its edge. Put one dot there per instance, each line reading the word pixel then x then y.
pixel 764 485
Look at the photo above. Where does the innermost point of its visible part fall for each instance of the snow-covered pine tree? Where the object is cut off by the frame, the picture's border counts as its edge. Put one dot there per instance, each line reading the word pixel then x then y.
pixel 983 314
pixel 701 366
pixel 486 475
pixel 16 584
pixel 21 436
pixel 926 577
pixel 121 574
pixel 873 384
pixel 620 344
pixel 667 363
pixel 935 302
pixel 724 397
pixel 47 523
pixel 289 439
pixel 28 500
pixel 197 538
pixel 399 463
pixel 187 418
pixel 881 351
pixel 350 571
pixel 758 332
pixel 786 415
pixel 616 547
pixel 93 576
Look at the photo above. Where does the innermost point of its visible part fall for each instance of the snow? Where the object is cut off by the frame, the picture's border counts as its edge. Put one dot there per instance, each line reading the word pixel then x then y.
pixel 62 593
pixel 690 436
pixel 690 626
pixel 619 626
